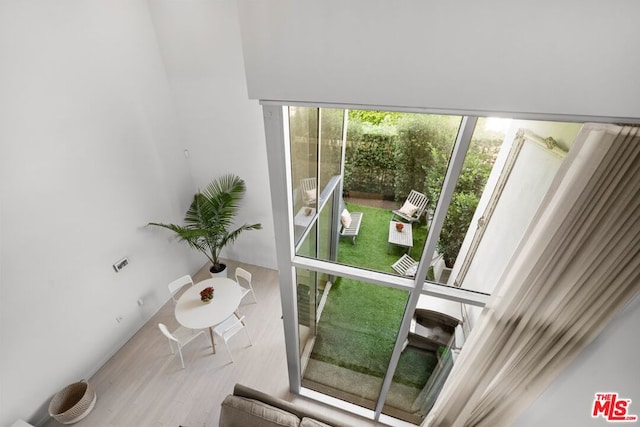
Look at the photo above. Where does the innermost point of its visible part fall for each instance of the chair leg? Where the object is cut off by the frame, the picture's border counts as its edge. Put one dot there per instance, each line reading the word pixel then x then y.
pixel 248 336
pixel 181 359
pixel 228 351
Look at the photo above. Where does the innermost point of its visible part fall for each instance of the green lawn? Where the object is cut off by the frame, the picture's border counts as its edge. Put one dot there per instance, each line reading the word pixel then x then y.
pixel 370 250
pixel 358 327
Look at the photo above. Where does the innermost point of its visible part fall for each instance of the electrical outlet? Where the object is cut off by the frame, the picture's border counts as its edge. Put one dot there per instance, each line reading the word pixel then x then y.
pixel 120 264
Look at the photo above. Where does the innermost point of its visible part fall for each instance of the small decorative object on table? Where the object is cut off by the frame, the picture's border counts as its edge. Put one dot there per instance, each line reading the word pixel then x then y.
pixel 206 295
pixel 399 226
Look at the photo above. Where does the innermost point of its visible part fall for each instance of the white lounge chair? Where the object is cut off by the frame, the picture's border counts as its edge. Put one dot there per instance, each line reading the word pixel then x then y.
pixel 407 266
pixel 413 208
pixel 309 191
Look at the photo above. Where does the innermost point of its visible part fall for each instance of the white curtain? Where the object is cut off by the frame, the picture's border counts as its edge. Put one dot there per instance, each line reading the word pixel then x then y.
pixel 576 267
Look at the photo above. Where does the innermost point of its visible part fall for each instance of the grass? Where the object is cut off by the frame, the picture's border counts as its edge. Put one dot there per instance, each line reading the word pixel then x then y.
pixel 360 321
pixel 370 250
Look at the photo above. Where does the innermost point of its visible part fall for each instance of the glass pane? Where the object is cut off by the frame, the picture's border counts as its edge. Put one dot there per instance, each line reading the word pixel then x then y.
pixel 426 360
pixel 306 290
pixel 303 129
pixel 389 158
pixel 507 171
pixel 411 402
pixel 356 331
pixel 307 296
pixel 326 238
pixel 326 224
pixel 331 126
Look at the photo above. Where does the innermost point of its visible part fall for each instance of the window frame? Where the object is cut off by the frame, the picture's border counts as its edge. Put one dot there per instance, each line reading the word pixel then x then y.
pixel 278 154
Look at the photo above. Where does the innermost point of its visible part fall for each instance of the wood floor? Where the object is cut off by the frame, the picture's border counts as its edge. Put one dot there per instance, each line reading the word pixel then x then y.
pixel 143 384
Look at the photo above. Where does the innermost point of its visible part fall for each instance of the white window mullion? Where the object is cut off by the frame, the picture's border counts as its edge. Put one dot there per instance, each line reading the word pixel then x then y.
pixel 460 148
pixel 276 121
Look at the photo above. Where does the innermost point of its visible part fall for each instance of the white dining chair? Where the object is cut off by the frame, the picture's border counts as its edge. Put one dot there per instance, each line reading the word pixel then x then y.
pixel 231 326
pixel 243 277
pixel 177 284
pixel 181 336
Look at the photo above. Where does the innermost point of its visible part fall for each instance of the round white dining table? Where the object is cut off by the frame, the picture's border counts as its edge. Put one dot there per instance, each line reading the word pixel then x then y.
pixel 192 313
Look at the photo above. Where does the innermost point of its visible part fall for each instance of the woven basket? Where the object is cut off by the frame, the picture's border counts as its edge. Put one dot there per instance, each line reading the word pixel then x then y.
pixel 73 403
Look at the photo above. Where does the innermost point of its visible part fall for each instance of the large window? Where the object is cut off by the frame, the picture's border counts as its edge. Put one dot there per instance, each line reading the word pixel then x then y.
pixel 372 332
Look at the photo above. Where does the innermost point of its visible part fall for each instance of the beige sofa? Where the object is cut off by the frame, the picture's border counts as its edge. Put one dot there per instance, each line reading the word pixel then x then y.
pixel 249 407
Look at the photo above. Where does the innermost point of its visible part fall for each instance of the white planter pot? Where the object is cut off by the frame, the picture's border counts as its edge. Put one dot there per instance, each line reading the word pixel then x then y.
pixel 222 273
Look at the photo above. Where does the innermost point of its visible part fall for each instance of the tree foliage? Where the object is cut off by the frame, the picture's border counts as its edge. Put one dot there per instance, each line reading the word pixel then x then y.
pixel 374 117
pixel 456 223
pixel 369 160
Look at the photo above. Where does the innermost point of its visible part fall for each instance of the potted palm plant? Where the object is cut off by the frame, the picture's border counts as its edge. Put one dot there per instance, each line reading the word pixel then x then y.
pixel 209 220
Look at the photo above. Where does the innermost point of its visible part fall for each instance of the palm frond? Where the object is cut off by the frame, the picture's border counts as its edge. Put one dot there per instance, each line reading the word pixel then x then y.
pixel 210 216
pixel 232 236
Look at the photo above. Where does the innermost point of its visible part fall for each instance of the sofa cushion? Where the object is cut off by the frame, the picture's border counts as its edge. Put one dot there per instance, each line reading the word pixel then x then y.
pixel 310 422
pixel 242 412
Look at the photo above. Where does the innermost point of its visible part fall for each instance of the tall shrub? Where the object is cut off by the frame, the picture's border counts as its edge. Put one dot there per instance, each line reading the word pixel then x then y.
pixel 422 153
pixel 456 224
pixel 369 158
pixel 473 177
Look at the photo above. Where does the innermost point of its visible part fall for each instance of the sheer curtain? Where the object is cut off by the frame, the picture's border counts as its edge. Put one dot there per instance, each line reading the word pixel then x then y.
pixel 576 267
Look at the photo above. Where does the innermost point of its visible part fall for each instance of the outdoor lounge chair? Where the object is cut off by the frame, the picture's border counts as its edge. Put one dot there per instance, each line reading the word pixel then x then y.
pixel 407 266
pixel 413 207
pixel 309 191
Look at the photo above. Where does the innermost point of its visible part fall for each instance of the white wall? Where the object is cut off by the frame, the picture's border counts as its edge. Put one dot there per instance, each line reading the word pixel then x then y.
pixel 201 48
pixel 570 57
pixel 609 364
pixel 89 153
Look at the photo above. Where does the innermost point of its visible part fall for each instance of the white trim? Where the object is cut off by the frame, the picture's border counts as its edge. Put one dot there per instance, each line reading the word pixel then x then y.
pixel 338 403
pixel 357 273
pixel 461 295
pixel 437 290
pixel 394 422
pixel 578 118
pixel 276 129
